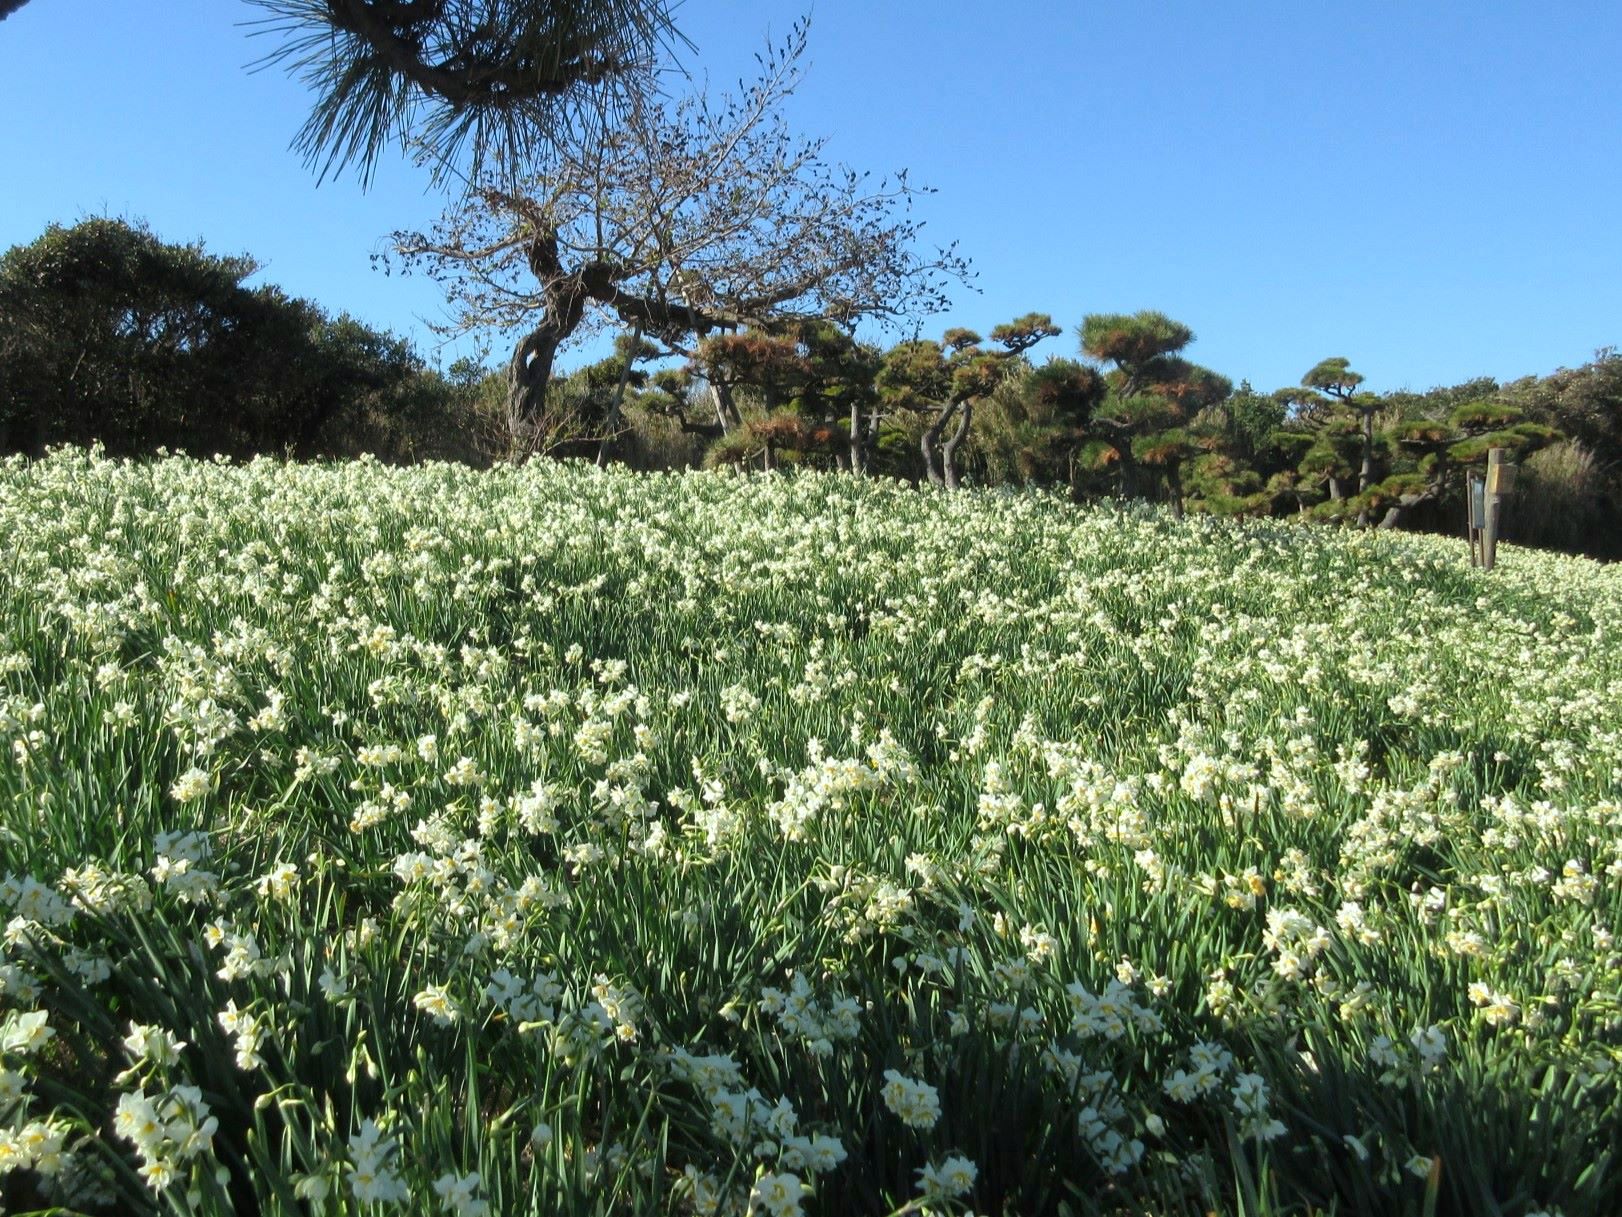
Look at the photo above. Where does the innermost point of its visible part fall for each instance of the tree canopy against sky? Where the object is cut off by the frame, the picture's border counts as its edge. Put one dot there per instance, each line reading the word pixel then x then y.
pixel 109 334
pixel 145 111
pixel 498 79
pixel 686 217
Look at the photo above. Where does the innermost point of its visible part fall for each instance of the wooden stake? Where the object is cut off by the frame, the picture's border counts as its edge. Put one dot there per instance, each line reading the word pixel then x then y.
pixel 1500 476
pixel 1475 502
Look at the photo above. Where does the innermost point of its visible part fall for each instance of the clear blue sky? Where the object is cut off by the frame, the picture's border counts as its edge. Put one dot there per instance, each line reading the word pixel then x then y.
pixel 1430 189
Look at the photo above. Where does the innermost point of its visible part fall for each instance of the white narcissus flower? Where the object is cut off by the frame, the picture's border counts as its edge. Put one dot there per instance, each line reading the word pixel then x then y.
pixel 25 1034
pixel 154 1044
pixel 459 1195
pixel 437 1004
pixel 917 1103
pixel 777 1194
pixel 191 785
pixel 947 1180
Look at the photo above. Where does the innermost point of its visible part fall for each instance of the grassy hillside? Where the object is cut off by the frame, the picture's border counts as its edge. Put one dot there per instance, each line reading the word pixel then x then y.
pixel 574 842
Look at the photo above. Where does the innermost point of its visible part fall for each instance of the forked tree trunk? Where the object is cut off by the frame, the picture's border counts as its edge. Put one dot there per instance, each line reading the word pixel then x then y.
pixel 930 440
pixel 726 409
pixel 529 371
pixel 949 449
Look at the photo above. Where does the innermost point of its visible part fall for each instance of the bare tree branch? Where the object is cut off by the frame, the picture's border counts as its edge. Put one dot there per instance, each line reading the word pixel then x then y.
pixel 686 218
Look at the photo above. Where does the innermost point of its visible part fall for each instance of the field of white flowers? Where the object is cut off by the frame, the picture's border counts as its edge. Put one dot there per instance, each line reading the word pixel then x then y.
pixel 557 841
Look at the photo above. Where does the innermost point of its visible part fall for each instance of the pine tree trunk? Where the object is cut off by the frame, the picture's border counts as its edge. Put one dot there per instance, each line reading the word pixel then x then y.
pixel 1432 492
pixel 858 451
pixel 726 409
pixel 949 450
pixel 1397 510
pixel 1129 473
pixel 1365 476
pixel 931 438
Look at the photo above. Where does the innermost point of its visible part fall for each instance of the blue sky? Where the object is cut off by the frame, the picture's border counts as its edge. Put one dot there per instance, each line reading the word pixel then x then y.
pixel 1430 189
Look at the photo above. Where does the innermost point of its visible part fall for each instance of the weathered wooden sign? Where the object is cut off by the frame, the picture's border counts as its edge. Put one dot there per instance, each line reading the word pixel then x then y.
pixel 1485 503
pixel 1500 476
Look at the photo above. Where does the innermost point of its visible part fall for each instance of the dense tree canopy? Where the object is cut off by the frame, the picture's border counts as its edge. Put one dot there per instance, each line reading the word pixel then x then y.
pixel 809 388
pixel 1145 428
pixel 946 379
pixel 109 334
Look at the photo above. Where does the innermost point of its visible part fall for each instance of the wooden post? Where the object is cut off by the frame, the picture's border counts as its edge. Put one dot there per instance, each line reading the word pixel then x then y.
pixel 1500 478
pixel 1475 508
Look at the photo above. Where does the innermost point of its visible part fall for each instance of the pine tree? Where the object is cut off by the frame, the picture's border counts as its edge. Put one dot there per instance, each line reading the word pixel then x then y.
pixel 499 79
pixel 1144 424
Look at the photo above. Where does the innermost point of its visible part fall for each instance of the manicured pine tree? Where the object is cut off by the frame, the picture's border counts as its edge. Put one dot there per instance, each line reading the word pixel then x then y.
pixel 1231 477
pixel 1033 425
pixel 1336 383
pixel 806 384
pixel 947 379
pixel 1446 450
pixel 1154 395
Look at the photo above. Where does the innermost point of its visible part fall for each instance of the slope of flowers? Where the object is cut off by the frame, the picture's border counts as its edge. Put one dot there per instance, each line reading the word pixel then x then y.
pixel 550 840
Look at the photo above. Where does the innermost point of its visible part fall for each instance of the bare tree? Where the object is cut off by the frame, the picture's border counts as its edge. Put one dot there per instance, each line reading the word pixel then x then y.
pixel 683 218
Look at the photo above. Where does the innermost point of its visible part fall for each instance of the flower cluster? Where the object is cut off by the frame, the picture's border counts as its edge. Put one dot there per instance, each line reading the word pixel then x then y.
pixel 661 836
